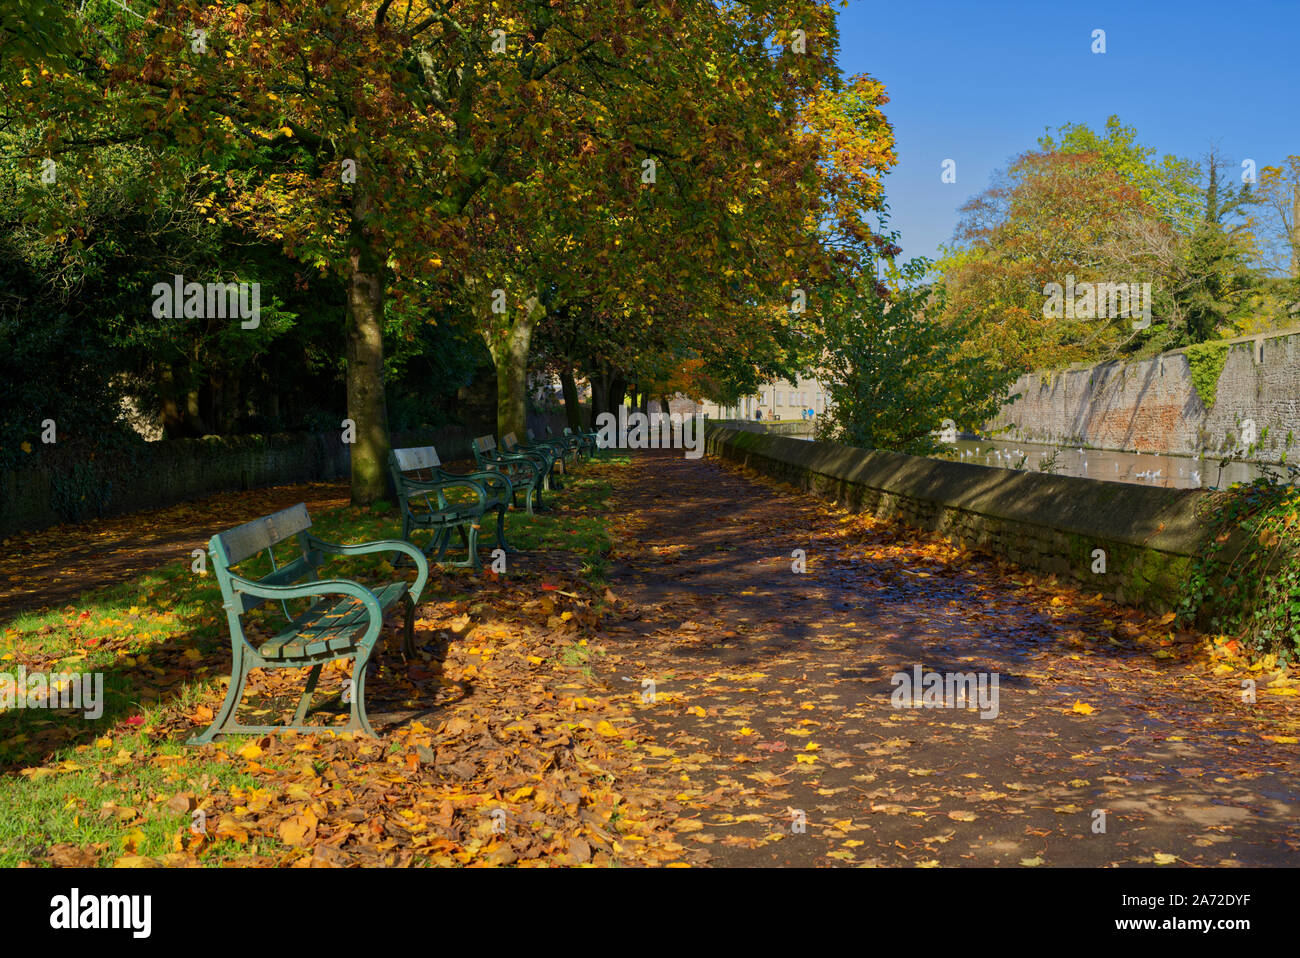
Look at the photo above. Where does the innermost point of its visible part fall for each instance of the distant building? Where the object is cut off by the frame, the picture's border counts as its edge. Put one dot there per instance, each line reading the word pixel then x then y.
pixel 777 400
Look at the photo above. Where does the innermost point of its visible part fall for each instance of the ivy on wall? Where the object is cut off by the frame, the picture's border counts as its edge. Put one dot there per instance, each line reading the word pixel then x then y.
pixel 1206 362
pixel 1247 577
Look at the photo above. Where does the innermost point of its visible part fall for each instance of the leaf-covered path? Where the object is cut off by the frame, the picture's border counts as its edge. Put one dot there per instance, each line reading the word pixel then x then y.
pixel 703 704
pixel 772 697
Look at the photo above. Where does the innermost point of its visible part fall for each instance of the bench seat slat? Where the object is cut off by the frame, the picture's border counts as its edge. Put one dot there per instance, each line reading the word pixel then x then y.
pixel 326 629
pixel 453 514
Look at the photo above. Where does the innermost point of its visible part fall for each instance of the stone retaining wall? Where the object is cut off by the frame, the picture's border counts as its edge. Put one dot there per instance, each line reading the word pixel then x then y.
pixel 1152 406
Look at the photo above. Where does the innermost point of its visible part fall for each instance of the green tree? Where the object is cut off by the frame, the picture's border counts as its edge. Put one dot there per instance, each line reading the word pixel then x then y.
pixel 894 371
pixel 1217 272
pixel 1168 186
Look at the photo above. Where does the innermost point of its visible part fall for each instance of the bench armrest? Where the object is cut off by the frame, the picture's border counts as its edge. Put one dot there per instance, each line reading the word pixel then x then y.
pixel 436 485
pixel 513 460
pixel 380 545
pixel 307 590
pixel 544 458
pixel 485 477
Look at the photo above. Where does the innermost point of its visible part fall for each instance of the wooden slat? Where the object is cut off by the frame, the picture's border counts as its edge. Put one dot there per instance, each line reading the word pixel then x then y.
pixel 417 457
pixel 485 443
pixel 252 537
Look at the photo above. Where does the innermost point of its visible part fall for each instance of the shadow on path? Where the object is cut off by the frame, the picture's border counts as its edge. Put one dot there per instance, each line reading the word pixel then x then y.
pixel 772 697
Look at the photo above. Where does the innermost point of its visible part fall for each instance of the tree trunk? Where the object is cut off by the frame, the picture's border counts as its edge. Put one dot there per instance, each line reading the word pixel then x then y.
pixel 1295 231
pixel 572 410
pixel 510 354
pixel 365 374
pixel 195 400
pixel 617 393
pixel 599 395
pixel 173 419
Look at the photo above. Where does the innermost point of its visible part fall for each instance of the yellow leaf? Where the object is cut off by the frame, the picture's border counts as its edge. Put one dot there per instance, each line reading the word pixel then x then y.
pixel 604 728
pixel 962 816
pixel 250 752
pixel 1282 739
pixel 1083 709
pixel 806 759
pixel 132 840
pixel 300 829
pixel 1164 859
pixel 696 710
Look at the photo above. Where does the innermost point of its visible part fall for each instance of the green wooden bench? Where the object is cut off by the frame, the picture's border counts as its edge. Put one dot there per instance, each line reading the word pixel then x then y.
pixel 547 457
pixel 422 486
pixel 586 441
pixel 565 446
pixel 526 472
pixel 328 629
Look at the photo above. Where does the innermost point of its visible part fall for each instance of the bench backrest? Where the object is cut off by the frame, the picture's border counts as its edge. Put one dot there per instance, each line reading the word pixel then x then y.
pixel 236 545
pixel 417 458
pixel 508 442
pixel 484 444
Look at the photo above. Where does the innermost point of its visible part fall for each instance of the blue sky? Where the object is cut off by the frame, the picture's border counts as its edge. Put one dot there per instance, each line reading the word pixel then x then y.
pixel 977 82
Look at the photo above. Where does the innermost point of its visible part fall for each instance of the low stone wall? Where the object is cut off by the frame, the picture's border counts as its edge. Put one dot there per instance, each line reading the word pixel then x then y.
pixel 1041 522
pixel 153 474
